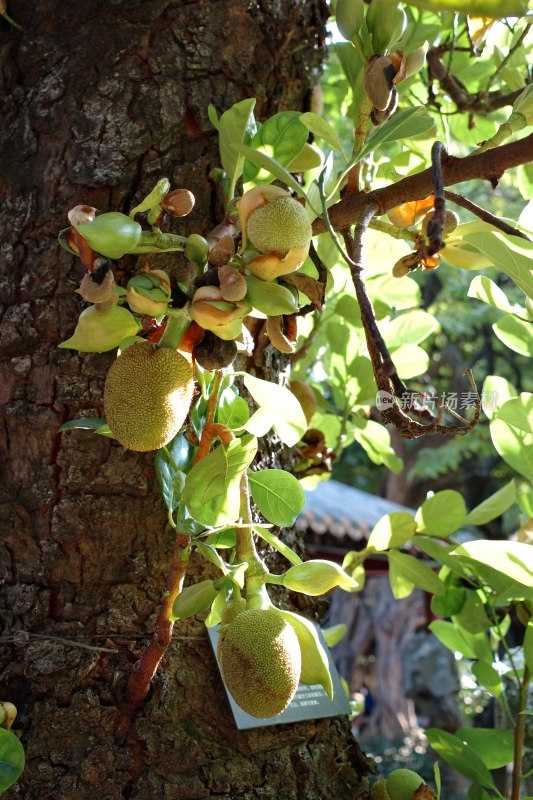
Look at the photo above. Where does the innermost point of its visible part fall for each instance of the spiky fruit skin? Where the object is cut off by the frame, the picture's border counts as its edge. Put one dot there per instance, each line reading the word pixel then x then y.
pixel 261 661
pixel 403 783
pixel 147 396
pixel 278 226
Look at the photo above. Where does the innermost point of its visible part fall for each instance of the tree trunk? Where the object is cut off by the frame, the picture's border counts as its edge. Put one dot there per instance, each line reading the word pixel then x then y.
pixel 101 99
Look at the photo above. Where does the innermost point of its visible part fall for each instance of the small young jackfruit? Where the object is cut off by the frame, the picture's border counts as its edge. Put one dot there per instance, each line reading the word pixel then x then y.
pixel 278 226
pixel 403 783
pixel 147 396
pixel 261 661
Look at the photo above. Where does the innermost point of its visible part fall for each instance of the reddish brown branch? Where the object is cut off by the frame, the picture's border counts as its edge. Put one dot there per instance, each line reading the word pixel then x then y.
pixel 143 672
pixel 479 103
pixel 489 165
pixel 486 216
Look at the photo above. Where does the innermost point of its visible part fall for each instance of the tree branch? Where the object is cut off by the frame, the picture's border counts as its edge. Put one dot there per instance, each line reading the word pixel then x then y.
pixel 489 165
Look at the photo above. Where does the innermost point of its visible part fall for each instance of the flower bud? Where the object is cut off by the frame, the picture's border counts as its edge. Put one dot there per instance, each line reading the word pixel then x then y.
pixel 269 266
pixel 233 286
pixel 112 234
pixel 386 21
pixel 149 293
pixel 197 249
pixel 99 332
pixel 179 203
pixel 270 298
pixel 194 599
pixel 212 312
pixel 81 214
pixel 378 81
pixel 93 291
pixel 349 15
pixel 317 577
pixel 8 712
pixel 415 61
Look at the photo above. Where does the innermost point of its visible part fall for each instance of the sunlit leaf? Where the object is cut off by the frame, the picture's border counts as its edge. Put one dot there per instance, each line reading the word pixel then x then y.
pixel 477 8
pixel 278 495
pixel 460 755
pixel 484 289
pixel 281 137
pixel 413 571
pixel 441 514
pixel 518 412
pixel 211 491
pixel 235 126
pixel 494 506
pixel 516 333
pixel 392 530
pixel 509 253
pixel 278 408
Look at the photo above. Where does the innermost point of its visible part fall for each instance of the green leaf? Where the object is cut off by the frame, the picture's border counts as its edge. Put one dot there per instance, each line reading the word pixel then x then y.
pixel 152 199
pixel 456 638
pixel 410 360
pixel 413 571
pixel 271 165
pixel 496 391
pixel 510 254
pixel 319 127
pixel 213 116
pixel 524 175
pixel 236 126
pixel 473 615
pixel 512 559
pixel 483 8
pixel 518 412
pixel 95 424
pixel 494 506
pixel 392 530
pixel 460 755
pixel 278 409
pixel 494 747
pixel 278 545
pixel 11 759
pixel 412 327
pixel 194 599
pixel 488 677
pixel 334 634
pixel 484 289
pixel 211 491
pixel 315 663
pixel 441 514
pixel 278 495
pixel 375 440
pixel 514 445
pixel 281 137
pixel 403 125
pixel 516 334
pixel 234 414
pixel 438 552
pixel 170 464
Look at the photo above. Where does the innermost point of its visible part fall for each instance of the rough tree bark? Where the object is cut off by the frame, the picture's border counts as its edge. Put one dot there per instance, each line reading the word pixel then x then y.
pixel 100 99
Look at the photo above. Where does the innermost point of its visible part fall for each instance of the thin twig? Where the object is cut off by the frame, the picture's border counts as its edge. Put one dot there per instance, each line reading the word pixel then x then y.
pixel 486 216
pixel 519 735
pixel 512 50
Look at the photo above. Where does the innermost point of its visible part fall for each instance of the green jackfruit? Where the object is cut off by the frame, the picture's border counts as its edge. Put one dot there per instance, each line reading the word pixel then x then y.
pixel 261 661
pixel 147 396
pixel 278 226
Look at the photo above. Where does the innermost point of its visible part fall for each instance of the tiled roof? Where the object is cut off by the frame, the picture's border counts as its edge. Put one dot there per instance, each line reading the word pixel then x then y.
pixel 337 509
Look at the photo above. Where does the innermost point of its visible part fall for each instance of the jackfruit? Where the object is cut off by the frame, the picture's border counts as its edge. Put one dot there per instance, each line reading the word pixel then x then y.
pixel 261 661
pixel 279 226
pixel 403 783
pixel 147 396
